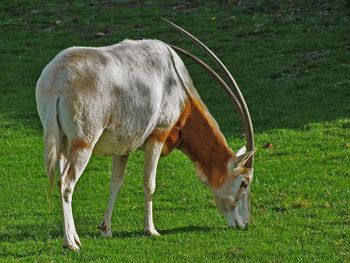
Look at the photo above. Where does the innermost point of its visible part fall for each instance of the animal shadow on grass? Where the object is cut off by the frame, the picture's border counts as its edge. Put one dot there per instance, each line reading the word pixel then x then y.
pixel 185 230
pixel 190 229
pixel 140 234
pixel 45 231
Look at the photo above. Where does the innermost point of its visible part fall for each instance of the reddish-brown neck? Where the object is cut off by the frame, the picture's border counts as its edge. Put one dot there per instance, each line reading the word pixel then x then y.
pixel 203 143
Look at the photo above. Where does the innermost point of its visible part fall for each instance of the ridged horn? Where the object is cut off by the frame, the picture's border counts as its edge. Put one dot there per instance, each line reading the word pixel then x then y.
pixel 215 76
pixel 244 112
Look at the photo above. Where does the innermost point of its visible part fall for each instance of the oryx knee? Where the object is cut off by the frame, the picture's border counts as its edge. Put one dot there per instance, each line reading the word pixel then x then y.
pixel 150 187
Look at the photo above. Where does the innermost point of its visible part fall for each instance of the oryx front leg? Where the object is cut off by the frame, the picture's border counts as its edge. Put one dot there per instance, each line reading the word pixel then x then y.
pixel 152 154
pixel 75 166
pixel 118 172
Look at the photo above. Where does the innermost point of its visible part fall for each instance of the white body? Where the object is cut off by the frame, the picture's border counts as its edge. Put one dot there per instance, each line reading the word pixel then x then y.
pixel 113 100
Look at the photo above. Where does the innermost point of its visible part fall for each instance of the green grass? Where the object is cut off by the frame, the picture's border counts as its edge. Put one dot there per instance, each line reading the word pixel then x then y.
pixel 292 62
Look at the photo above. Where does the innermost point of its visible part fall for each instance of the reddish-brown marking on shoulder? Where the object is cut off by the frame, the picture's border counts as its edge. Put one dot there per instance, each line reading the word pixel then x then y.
pixel 173 137
pixel 159 134
pixel 171 141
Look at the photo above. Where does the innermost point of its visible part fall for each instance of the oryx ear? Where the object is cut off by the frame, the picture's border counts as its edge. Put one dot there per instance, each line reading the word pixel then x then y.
pixel 241 151
pixel 240 160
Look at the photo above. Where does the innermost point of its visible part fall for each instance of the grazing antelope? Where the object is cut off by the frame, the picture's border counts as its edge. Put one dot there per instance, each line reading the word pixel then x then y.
pixel 116 99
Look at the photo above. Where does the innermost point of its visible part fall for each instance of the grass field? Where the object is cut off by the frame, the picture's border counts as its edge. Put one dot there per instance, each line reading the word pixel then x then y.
pixel 292 62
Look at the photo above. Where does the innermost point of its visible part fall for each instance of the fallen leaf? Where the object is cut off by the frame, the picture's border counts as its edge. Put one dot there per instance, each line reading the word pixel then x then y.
pixel 100 34
pixel 268 146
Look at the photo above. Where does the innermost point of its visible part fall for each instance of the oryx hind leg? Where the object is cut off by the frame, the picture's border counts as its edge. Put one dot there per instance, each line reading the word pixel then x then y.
pixel 117 179
pixel 79 154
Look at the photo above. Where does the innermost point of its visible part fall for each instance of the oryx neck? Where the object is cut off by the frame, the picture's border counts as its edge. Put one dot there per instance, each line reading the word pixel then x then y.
pixel 204 144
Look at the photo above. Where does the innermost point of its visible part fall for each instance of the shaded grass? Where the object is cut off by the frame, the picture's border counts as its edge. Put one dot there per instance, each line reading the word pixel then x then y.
pixel 292 62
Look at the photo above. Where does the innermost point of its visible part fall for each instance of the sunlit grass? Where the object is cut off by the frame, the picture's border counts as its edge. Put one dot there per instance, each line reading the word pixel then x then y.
pixel 291 60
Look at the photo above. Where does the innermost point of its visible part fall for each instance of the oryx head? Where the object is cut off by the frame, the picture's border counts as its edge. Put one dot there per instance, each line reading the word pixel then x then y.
pixel 233 196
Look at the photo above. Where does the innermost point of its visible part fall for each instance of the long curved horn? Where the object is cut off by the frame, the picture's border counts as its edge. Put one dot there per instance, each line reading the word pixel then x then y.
pixel 247 123
pixel 214 75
